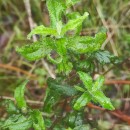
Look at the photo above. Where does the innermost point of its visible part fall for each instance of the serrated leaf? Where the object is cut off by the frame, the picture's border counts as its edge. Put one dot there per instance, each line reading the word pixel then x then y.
pixel 54 61
pixel 82 101
pixel 38 121
pixel 103 100
pixel 73 16
pixel 42 30
pixel 98 83
pixel 86 44
pixel 103 57
pixel 63 90
pixel 65 66
pixel 17 122
pixel 59 27
pixel 56 9
pixel 85 65
pixel 79 88
pixel 86 79
pixel 71 2
pixel 36 50
pixel 73 24
pixel 19 95
pixel 94 90
pixel 61 49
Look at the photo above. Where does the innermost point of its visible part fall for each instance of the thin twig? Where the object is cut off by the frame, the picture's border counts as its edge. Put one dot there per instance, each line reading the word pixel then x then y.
pixel 106 26
pixel 30 20
pixel 31 23
pixel 116 113
pixel 5 66
pixel 48 69
pixel 117 82
pixel 28 101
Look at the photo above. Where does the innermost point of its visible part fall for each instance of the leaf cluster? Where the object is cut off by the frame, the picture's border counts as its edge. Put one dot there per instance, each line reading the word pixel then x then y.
pixel 56 39
pixel 70 55
pixel 21 117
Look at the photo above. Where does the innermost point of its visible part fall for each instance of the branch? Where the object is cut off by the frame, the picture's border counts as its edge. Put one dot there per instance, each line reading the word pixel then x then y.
pixel 28 101
pixel 5 66
pixel 116 113
pixel 117 82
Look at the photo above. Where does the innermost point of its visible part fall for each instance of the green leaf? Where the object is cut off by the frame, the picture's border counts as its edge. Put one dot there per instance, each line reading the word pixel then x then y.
pixel 103 57
pixel 69 128
pixel 103 100
pixel 71 2
pixel 82 127
pixel 17 122
pixel 84 44
pixel 36 50
pixel 51 98
pixel 98 84
pixel 10 107
pixel 65 67
pixel 94 91
pixel 79 88
pixel 61 49
pixel 74 118
pixel 38 121
pixel 19 95
pixel 86 79
pixel 59 27
pixel 85 65
pixel 54 61
pixel 41 30
pixel 82 101
pixel 73 24
pixel 63 90
pixel 56 9
pixel 73 16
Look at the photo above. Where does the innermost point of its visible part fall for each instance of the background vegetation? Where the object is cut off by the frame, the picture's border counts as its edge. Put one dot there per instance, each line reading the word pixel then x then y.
pixel 16 21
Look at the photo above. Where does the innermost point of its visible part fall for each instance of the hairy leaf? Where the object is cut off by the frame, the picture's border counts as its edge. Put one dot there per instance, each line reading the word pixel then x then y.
pixel 85 65
pixel 86 79
pixel 79 88
pixel 98 84
pixel 17 122
pixel 19 95
pixel 94 91
pixel 61 89
pixel 73 24
pixel 56 9
pixel 38 121
pixel 103 100
pixel 61 48
pixel 71 2
pixel 86 44
pixel 73 16
pixel 41 30
pixel 103 57
pixel 82 101
pixel 36 50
